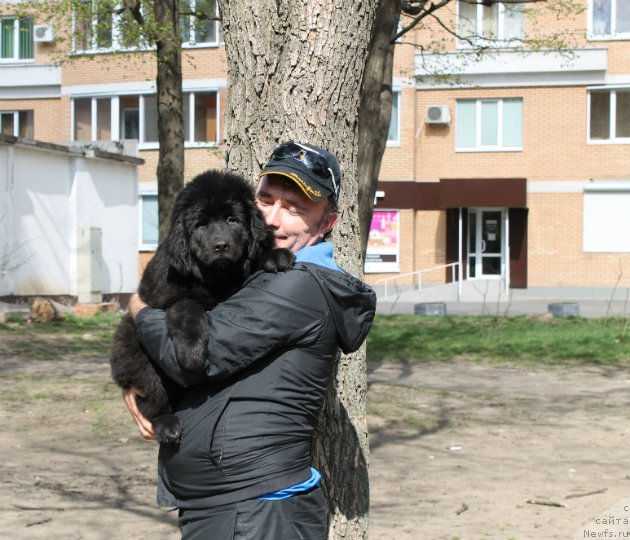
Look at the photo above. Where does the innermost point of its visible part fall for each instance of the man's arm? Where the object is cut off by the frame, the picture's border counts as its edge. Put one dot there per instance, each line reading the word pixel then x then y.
pixel 144 426
pixel 136 304
pixel 272 311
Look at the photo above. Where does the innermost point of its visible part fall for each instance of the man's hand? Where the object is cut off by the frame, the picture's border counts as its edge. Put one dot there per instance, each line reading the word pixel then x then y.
pixel 145 427
pixel 135 305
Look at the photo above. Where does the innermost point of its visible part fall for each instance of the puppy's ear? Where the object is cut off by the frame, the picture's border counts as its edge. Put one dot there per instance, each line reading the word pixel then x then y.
pixel 179 255
pixel 260 238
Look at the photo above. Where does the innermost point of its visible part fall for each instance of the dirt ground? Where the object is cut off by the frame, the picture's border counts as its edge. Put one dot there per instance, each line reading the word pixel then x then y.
pixel 458 450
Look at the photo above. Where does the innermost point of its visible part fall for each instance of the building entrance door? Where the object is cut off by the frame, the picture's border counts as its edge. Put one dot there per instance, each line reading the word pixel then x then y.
pixel 486 243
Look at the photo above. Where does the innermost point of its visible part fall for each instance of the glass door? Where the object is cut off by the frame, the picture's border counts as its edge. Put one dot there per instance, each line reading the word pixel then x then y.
pixel 486 245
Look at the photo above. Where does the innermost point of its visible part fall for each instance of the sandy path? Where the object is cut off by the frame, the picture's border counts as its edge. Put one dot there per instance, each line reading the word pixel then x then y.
pixel 74 468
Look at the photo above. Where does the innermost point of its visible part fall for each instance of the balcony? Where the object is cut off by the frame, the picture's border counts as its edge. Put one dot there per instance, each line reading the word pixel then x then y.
pixel 512 68
pixel 29 81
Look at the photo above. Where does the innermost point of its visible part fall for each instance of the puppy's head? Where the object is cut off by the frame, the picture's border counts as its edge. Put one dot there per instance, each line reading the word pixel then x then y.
pixel 216 226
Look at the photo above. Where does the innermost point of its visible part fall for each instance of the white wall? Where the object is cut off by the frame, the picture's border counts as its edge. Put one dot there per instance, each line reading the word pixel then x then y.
pixel 106 197
pixel 45 197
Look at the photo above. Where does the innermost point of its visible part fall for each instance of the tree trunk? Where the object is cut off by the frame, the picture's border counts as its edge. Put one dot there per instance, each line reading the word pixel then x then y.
pixel 376 110
pixel 170 169
pixel 294 72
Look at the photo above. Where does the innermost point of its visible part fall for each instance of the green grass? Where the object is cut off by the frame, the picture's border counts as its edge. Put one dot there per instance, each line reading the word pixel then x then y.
pixel 74 335
pixel 394 338
pixel 413 339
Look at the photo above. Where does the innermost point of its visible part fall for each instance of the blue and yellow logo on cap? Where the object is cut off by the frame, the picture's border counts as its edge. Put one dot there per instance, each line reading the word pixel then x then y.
pixel 311 193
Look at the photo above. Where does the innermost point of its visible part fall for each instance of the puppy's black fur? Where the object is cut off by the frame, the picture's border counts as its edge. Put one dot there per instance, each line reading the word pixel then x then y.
pixel 217 238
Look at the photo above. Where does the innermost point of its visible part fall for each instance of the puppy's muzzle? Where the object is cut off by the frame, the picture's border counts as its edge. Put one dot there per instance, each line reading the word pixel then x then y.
pixel 220 248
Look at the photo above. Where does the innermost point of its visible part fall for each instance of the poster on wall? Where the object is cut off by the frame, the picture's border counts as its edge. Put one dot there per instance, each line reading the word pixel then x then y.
pixel 383 249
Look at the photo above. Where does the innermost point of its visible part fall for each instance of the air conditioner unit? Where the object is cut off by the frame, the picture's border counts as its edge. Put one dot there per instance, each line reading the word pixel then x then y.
pixel 43 33
pixel 437 114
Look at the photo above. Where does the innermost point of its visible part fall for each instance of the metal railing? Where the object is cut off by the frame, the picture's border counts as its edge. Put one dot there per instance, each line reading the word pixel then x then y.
pixel 455 276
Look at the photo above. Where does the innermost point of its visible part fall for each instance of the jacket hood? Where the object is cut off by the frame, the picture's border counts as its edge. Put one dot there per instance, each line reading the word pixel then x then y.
pixel 351 302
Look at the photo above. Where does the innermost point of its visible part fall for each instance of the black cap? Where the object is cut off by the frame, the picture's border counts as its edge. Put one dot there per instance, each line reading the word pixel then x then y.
pixel 313 169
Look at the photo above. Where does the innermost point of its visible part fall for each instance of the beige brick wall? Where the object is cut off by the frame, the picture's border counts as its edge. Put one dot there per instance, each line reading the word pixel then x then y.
pixel 46 115
pixel 554 140
pixel 398 161
pixel 556 256
pixel 126 67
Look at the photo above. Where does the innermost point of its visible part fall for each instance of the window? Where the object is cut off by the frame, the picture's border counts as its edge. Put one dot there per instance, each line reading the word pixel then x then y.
pixel 130 117
pixel 135 117
pixel 149 222
pixel 489 124
pixel 200 117
pixel 17 123
pixel 16 39
pixel 198 24
pixel 494 22
pixel 393 136
pixel 609 18
pixel 102 26
pixel 94 26
pixel 609 115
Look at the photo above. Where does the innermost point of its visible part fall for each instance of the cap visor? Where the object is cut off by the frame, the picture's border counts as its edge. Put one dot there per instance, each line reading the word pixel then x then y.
pixel 311 189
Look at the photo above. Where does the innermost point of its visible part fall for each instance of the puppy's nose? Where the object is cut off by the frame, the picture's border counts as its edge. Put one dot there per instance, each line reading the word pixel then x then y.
pixel 220 247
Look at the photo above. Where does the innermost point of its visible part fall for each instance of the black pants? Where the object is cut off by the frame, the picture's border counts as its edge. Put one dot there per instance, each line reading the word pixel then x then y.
pixel 301 517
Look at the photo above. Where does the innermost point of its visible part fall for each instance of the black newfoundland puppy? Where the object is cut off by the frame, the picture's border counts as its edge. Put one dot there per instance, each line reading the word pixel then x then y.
pixel 217 238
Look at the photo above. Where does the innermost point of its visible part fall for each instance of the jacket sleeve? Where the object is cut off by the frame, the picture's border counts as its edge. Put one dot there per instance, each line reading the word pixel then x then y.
pixel 272 311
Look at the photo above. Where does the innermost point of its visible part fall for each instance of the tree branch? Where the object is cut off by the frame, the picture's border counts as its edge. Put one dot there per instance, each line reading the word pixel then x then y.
pixel 419 10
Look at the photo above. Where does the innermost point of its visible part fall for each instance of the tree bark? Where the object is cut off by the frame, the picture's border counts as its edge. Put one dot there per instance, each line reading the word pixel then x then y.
pixel 376 110
pixel 294 72
pixel 170 169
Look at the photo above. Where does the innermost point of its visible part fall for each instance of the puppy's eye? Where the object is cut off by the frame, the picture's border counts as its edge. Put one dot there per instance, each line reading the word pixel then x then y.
pixel 231 220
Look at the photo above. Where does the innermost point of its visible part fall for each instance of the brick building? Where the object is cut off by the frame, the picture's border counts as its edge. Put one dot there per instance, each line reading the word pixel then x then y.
pixel 519 172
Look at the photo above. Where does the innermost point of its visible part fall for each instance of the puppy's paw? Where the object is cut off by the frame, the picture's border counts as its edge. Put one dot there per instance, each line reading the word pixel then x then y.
pixel 276 260
pixel 187 324
pixel 168 429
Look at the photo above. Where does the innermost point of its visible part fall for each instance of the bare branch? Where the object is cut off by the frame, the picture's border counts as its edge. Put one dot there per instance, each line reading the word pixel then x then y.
pixel 419 9
pixel 471 40
pixel 422 12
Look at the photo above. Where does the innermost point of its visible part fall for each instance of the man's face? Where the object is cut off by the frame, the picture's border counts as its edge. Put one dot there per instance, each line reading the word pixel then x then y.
pixel 295 220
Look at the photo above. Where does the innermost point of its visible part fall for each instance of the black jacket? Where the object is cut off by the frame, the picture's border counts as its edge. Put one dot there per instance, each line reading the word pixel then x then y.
pixel 248 420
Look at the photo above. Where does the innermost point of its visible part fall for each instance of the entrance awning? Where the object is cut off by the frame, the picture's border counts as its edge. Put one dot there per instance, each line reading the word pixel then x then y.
pixel 454 193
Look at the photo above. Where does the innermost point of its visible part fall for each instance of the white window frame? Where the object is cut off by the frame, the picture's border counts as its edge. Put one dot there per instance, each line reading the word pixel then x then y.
pixel 93 47
pixel 499 41
pixel 16 43
pixel 142 145
pixel 613 22
pixel 142 246
pixel 116 37
pixel 16 120
pixel 613 139
pixel 190 142
pixel 121 123
pixel 495 148
pixel 395 142
pixel 192 43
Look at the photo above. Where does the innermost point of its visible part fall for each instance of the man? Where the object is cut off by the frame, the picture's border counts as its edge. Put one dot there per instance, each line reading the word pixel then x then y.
pixel 243 468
